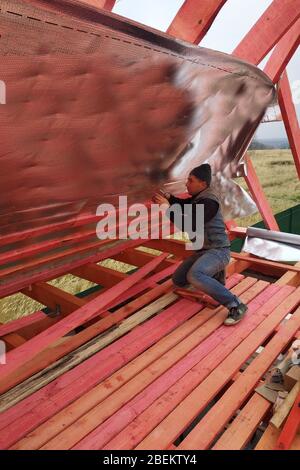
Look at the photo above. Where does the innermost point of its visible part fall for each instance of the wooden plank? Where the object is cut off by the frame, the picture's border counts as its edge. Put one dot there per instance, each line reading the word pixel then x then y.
pixel 57 264
pixel 259 196
pixel 81 379
pixel 16 358
pixel 219 415
pixel 282 412
pixel 290 278
pixel 49 256
pixel 269 438
pixel 282 53
pixel 35 317
pixel 200 394
pixel 65 241
pixel 138 258
pixel 172 315
pixel 264 262
pixel 290 118
pixel 154 414
pixel 167 315
pixel 106 408
pixel 99 360
pixel 238 232
pixel 245 424
pixel 47 229
pixel 106 388
pixel 76 382
pixel 53 228
pixel 101 436
pixel 87 350
pixel 268 30
pixel 236 266
pixel 51 296
pixel 19 323
pixel 58 350
pixel 176 247
pixel 13 340
pixel 194 19
pixel 37 248
pixel 99 274
pixel 58 267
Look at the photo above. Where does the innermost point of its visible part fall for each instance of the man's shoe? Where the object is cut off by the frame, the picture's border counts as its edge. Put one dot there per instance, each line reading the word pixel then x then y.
pixel 236 314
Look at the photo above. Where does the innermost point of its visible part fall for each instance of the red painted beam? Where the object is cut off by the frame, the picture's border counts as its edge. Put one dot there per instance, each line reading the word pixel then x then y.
pixel 268 30
pixel 290 428
pixel 259 196
pixel 194 19
pixel 290 119
pixel 283 53
pixel 37 344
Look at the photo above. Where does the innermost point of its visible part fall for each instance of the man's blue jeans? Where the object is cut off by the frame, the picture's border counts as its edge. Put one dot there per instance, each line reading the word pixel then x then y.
pixel 198 270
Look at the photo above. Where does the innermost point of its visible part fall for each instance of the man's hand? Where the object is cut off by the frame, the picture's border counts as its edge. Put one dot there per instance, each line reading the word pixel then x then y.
pixel 158 198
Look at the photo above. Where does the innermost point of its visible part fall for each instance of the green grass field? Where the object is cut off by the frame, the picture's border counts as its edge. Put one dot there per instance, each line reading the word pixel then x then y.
pixel 277 174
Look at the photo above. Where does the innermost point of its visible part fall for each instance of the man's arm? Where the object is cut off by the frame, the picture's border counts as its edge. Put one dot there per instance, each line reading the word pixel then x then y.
pixel 177 200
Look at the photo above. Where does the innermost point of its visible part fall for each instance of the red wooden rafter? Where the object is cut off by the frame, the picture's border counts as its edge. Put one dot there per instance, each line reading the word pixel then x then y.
pixel 283 52
pixel 268 30
pixel 194 19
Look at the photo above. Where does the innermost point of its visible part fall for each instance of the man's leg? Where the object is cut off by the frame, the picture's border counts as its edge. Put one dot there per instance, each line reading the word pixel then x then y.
pixel 179 277
pixel 220 276
pixel 201 275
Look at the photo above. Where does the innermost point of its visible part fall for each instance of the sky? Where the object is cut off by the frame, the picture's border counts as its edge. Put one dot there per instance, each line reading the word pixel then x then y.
pixel 232 23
